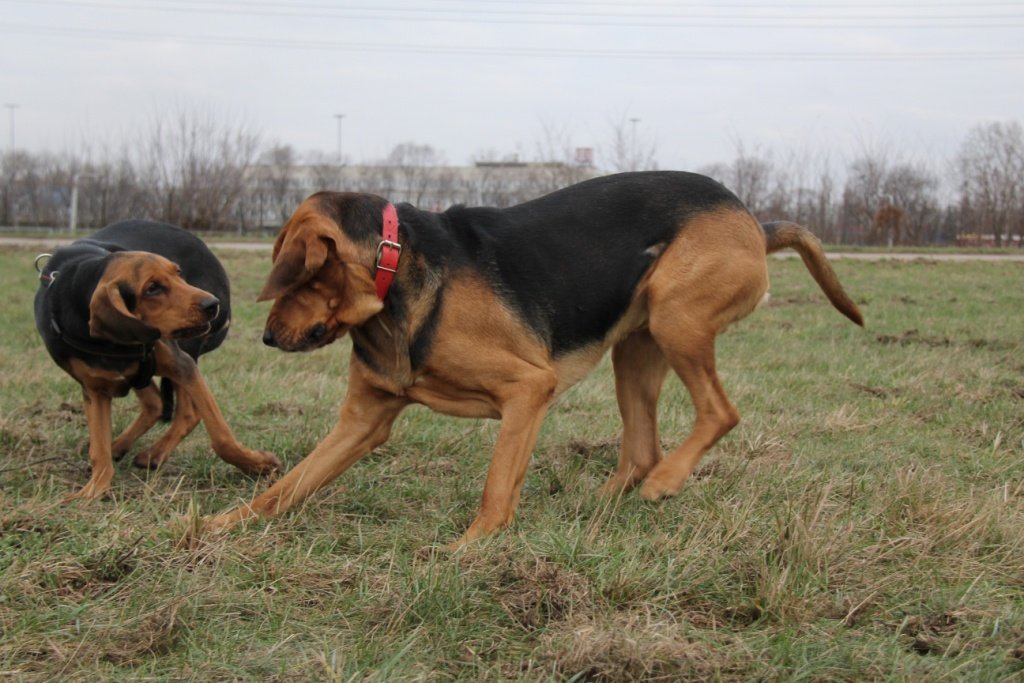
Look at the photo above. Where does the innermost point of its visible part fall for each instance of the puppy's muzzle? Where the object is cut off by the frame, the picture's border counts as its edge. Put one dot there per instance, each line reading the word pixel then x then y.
pixel 210 307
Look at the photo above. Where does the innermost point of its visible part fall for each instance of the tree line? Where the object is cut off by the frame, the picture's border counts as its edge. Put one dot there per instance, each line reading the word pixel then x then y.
pixel 204 173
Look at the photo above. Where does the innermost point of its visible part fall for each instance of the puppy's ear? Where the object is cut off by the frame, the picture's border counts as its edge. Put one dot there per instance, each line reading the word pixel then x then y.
pixel 294 264
pixel 110 319
pixel 359 301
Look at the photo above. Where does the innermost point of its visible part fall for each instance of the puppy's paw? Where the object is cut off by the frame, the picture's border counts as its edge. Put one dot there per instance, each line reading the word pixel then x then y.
pixel 256 463
pixel 150 458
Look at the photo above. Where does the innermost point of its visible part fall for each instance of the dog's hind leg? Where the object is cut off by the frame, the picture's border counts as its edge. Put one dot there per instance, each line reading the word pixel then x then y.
pixel 693 359
pixel 640 369
pixel 712 276
pixel 150 406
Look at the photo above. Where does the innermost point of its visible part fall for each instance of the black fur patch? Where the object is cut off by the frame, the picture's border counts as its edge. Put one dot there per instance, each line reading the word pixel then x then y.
pixel 127 295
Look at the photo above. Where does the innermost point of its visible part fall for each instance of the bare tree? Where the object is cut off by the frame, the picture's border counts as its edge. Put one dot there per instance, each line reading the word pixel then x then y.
pixel 863 194
pixel 991 166
pixel 751 178
pixel 627 150
pixel 419 175
pixel 274 184
pixel 911 189
pixel 196 165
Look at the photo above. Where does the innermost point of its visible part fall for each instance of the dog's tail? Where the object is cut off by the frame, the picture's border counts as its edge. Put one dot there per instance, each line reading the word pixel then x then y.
pixel 167 398
pixel 783 234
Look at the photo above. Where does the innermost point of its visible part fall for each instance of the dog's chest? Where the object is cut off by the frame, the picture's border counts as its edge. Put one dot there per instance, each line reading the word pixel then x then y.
pixel 105 381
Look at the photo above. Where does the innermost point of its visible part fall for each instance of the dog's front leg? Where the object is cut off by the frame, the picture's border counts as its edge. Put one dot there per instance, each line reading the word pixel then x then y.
pixel 178 366
pixel 521 418
pixel 149 412
pixel 97 415
pixel 365 423
pixel 184 421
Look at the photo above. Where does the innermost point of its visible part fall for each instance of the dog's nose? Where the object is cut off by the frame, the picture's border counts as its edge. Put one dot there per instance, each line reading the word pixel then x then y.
pixel 268 338
pixel 210 307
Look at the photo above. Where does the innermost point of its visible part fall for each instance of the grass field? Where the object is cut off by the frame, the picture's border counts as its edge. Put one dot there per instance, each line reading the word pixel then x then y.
pixel 864 522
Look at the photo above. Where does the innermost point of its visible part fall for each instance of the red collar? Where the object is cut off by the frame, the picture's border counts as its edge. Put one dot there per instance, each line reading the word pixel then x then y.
pixel 388 252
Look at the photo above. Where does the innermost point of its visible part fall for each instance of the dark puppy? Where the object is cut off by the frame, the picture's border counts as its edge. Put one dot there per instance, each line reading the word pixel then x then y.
pixel 494 313
pixel 137 300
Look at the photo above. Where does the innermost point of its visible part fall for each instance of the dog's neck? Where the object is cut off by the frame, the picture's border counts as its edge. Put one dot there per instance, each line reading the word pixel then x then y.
pixel 395 342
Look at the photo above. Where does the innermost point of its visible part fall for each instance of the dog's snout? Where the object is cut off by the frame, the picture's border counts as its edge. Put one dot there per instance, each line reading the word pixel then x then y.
pixel 316 332
pixel 210 307
pixel 268 338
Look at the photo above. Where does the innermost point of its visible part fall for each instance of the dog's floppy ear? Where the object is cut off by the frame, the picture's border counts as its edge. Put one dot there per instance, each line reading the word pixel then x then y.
pixel 110 319
pixel 295 263
pixel 360 302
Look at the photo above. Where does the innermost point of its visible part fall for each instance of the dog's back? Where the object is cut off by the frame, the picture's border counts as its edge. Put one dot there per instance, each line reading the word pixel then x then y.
pixel 570 261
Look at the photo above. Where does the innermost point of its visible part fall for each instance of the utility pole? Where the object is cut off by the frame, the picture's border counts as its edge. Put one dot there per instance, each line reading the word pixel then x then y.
pixel 633 155
pixel 339 117
pixel 10 207
pixel 12 107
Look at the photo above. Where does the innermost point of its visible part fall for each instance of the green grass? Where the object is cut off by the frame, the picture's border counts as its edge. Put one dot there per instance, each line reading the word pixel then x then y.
pixel 864 522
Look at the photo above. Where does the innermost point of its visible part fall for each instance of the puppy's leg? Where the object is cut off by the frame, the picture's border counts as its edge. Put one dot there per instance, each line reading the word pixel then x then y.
pixel 640 369
pixel 97 415
pixel 178 366
pixel 521 418
pixel 365 423
pixel 150 406
pixel 184 421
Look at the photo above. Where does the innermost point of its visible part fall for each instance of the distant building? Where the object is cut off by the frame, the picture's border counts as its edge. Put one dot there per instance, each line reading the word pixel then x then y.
pixel 273 192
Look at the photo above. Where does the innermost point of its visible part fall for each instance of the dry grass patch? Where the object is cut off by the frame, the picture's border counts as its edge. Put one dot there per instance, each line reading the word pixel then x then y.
pixel 635 647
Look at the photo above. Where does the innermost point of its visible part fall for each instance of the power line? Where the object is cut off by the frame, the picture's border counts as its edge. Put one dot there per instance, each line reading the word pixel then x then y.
pixel 521 51
pixel 561 17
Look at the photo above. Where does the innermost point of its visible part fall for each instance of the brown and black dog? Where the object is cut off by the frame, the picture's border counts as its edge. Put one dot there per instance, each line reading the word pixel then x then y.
pixel 135 300
pixel 495 312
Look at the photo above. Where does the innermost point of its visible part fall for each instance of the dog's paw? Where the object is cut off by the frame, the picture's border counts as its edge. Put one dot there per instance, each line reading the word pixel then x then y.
pixel 257 463
pixel 219 524
pixel 269 463
pixel 654 489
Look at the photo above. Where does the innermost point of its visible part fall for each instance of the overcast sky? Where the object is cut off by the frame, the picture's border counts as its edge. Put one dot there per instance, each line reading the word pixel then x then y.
pixel 470 77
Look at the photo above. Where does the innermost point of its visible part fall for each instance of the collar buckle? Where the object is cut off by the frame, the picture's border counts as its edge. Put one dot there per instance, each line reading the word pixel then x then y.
pixel 381 256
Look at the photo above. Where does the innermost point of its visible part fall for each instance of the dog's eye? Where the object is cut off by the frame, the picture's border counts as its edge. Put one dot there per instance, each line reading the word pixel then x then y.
pixel 154 289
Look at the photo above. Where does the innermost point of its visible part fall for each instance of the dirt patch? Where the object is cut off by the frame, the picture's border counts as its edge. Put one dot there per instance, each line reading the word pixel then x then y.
pixel 936 634
pixel 913 337
pixel 279 408
pixel 537 592
pixel 877 392
pixel 631 647
pixel 589 448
